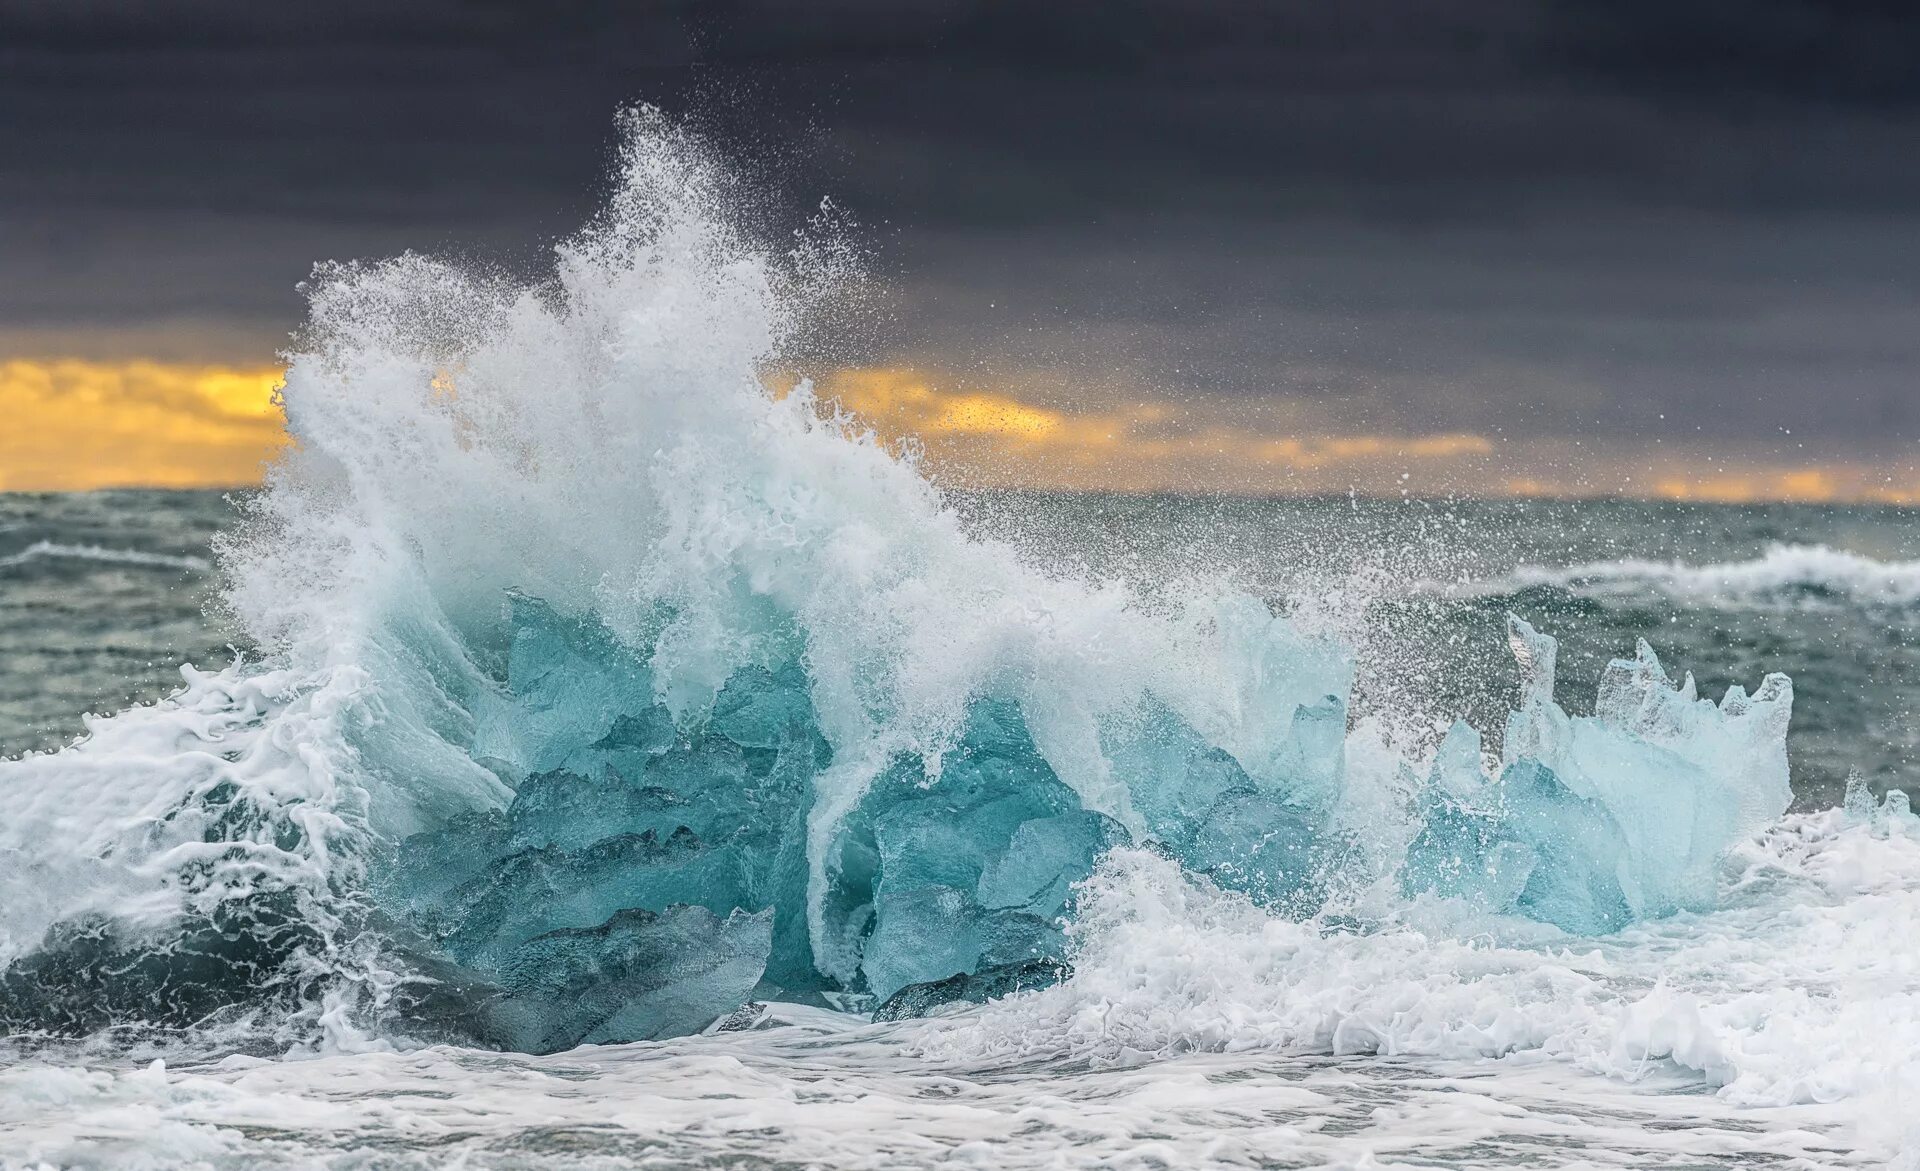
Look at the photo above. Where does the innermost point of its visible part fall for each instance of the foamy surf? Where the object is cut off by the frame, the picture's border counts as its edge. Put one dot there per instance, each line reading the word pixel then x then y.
pixel 849 1097
pixel 1776 1031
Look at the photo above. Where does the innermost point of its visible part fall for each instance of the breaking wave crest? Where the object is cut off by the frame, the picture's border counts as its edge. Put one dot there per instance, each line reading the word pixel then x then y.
pixel 604 692
pixel 1784 574
pixel 58 551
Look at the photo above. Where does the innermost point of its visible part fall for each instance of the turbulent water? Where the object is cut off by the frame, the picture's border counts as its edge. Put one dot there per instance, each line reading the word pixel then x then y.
pixel 594 760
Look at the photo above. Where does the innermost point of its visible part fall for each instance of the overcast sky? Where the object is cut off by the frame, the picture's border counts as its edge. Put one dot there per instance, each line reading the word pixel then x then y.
pixel 1537 219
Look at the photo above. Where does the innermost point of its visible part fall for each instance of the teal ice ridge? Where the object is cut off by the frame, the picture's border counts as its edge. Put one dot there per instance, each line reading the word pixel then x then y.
pixel 1597 821
pixel 649 877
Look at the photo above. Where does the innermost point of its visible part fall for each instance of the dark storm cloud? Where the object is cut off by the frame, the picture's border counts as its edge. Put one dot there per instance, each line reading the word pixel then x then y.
pixel 1552 218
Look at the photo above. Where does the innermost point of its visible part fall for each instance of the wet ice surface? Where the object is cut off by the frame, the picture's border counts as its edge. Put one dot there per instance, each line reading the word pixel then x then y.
pixel 829 1092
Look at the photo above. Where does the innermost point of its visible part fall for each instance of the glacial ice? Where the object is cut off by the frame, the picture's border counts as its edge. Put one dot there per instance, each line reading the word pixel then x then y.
pixel 936 875
pixel 649 874
pixel 638 976
pixel 1593 822
pixel 990 983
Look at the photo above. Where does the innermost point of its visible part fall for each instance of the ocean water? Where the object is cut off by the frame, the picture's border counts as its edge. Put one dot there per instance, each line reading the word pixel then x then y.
pixel 107 593
pixel 574 756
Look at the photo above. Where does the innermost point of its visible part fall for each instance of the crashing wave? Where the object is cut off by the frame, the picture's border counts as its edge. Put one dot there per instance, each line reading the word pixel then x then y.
pixel 607 691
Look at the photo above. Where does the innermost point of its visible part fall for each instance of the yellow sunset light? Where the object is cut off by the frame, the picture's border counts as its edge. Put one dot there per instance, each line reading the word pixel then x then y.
pixel 71 424
pixel 74 425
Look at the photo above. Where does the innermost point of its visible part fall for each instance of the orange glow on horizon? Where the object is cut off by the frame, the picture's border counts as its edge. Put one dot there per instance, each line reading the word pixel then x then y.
pixel 1002 439
pixel 906 404
pixel 1809 485
pixel 73 424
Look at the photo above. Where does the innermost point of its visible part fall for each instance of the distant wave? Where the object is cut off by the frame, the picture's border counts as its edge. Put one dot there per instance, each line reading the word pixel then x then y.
pixel 1784 571
pixel 53 550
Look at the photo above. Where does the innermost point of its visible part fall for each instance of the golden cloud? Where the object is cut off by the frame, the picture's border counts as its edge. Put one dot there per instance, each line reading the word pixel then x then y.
pixel 1806 485
pixel 989 436
pixel 74 425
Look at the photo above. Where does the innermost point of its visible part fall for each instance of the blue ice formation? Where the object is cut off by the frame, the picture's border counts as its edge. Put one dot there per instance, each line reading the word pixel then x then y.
pixel 650 875
pixel 990 983
pixel 1594 822
pixel 964 865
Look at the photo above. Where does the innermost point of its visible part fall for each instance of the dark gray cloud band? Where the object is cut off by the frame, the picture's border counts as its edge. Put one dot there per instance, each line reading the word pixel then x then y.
pixel 1549 219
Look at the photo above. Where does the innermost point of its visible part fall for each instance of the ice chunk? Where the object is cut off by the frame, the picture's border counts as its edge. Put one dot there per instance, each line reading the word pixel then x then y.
pixel 569 681
pixel 1291 689
pixel 1895 816
pixel 968 866
pixel 1456 765
pixel 637 976
pixel 1891 815
pixel 1581 863
pixel 932 932
pixel 1178 777
pixel 1264 832
pixel 1269 848
pixel 534 891
pixel 628 810
pixel 1683 778
pixel 1043 858
pixel 1734 753
pixel 1597 821
pixel 1466 853
pixel 917 1000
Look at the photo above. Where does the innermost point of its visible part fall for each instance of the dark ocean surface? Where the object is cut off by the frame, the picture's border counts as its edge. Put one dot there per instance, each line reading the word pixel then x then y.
pixel 103 595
